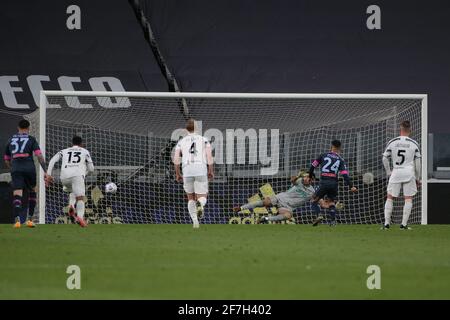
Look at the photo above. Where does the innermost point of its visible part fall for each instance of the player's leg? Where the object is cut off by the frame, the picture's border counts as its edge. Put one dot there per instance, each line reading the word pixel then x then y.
pixel 407 207
pixel 201 192
pixel 267 202
pixel 188 185
pixel 393 191
pixel 18 184
pixel 409 190
pixel 32 197
pixel 80 208
pixel 283 215
pixel 67 188
pixel 332 194
pixel 79 190
pixel 320 193
pixel 17 206
pixel 332 212
pixel 192 208
pixel 200 204
pixel 315 206
pixel 388 207
pixel 72 202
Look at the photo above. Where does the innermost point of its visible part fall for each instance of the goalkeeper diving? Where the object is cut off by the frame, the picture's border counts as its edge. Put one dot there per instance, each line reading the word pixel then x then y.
pixel 300 192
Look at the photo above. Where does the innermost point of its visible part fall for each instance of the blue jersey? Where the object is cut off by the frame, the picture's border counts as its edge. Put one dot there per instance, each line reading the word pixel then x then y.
pixel 331 165
pixel 20 150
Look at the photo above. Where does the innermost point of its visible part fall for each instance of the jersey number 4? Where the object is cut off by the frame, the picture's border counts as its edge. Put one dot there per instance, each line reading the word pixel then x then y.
pixel 192 148
pixel 76 157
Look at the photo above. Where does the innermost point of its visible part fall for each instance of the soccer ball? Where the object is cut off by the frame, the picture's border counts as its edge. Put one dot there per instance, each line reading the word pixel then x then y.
pixel 110 187
pixel 368 178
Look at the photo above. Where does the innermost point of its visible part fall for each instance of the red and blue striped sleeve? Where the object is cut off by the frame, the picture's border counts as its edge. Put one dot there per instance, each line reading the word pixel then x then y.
pixel 315 163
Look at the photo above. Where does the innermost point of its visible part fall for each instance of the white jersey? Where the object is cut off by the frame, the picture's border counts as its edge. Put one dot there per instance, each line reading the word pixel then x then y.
pixel 76 161
pixel 193 155
pixel 403 151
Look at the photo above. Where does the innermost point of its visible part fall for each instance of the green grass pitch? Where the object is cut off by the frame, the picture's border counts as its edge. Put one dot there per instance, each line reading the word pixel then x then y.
pixel 224 262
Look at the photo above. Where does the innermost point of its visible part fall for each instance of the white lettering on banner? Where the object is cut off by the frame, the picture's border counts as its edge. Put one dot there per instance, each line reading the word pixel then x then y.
pixel 98 84
pixel 9 91
pixel 374 20
pixel 35 85
pixel 66 84
pixel 239 146
pixel 73 21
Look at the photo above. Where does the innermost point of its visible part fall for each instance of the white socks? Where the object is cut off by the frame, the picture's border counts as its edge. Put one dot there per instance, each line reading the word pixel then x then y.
pixel 202 201
pixel 80 209
pixel 388 211
pixel 406 211
pixel 192 208
pixel 72 200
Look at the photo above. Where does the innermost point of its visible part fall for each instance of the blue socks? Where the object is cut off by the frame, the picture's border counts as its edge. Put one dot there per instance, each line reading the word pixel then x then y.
pixel 315 207
pixel 332 211
pixel 31 204
pixel 17 205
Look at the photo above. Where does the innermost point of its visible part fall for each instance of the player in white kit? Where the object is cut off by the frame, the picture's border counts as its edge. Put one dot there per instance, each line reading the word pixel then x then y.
pixel 405 175
pixel 193 153
pixel 76 163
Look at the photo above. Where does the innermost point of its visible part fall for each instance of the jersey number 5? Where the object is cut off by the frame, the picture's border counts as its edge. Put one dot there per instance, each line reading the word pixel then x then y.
pixel 400 154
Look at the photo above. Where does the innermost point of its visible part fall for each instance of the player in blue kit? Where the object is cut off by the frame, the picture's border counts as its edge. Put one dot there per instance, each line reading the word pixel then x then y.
pixel 331 165
pixel 19 158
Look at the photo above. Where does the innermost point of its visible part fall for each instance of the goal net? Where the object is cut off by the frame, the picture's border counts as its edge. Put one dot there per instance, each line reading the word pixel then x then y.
pixel 258 141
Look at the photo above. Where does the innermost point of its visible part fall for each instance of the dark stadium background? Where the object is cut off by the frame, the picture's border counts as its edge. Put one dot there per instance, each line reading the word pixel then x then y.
pixel 224 46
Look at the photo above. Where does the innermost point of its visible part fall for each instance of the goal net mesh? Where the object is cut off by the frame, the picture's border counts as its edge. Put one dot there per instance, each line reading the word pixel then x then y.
pixel 258 143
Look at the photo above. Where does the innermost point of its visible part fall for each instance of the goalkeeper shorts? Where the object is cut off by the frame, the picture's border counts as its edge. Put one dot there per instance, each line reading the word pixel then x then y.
pixel 281 200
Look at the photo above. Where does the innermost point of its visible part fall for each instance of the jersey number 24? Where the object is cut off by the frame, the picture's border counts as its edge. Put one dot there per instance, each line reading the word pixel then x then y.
pixel 334 168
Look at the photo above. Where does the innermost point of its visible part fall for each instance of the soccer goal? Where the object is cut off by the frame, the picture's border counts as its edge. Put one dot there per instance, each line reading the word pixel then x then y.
pixel 258 140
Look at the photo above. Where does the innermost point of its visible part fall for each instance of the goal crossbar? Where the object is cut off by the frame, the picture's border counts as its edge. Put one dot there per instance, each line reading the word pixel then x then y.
pixel 230 95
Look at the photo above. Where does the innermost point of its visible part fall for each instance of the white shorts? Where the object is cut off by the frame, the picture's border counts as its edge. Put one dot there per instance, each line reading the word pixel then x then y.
pixel 198 185
pixel 409 188
pixel 74 185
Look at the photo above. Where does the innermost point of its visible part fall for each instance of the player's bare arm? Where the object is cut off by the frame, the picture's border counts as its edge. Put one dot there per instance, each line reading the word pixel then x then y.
pixel 49 178
pixel 210 162
pixel 177 161
pixel 417 170
pixel 41 160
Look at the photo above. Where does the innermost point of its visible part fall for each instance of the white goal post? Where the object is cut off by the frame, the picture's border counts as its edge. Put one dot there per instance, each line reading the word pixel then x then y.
pixel 259 141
